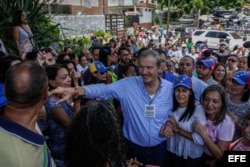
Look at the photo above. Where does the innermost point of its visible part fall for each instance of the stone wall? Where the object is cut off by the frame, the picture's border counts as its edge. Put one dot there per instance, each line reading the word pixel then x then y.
pixel 73 25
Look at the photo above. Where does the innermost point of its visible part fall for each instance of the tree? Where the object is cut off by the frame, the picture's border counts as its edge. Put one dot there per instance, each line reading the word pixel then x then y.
pixel 192 6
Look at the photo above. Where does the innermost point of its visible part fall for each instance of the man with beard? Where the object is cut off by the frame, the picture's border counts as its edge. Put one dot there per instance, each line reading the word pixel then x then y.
pixel 125 57
pixel 204 69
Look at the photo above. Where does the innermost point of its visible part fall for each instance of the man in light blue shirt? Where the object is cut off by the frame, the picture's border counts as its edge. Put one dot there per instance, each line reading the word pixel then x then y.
pixel 146 101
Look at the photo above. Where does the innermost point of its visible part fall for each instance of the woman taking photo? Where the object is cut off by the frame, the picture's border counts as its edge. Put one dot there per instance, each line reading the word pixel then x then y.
pixel 218 132
pixel 185 146
pixel 23 34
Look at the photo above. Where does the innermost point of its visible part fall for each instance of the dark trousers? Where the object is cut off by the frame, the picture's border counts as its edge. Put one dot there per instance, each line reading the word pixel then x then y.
pixel 207 159
pixel 155 155
pixel 175 161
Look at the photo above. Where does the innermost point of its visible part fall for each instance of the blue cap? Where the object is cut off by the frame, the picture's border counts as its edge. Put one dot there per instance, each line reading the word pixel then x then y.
pixel 209 63
pixel 241 77
pixel 183 80
pixel 97 66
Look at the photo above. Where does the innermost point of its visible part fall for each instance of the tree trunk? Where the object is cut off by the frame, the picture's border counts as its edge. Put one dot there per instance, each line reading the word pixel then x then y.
pixel 198 20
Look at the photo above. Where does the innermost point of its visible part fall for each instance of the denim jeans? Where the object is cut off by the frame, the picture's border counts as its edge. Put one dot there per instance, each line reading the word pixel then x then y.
pixel 155 155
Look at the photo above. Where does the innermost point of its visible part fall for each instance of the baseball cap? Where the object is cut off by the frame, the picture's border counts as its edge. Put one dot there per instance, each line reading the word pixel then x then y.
pixel 209 63
pixel 183 80
pixel 241 77
pixel 97 66
pixel 206 53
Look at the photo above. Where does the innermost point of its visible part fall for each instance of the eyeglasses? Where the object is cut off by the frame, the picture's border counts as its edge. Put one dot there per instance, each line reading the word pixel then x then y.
pixel 232 60
pixel 125 55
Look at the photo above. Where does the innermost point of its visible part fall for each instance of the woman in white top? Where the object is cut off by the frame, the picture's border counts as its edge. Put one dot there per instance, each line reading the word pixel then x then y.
pixel 185 146
pixel 22 33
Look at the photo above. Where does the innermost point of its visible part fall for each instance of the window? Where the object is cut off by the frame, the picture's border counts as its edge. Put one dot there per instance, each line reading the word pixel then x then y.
pixel 198 33
pixel 235 35
pixel 211 34
pixel 90 3
pixel 94 3
pixel 222 35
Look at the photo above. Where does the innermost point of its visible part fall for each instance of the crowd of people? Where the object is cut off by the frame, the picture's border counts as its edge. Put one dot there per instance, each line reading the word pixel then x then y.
pixel 146 99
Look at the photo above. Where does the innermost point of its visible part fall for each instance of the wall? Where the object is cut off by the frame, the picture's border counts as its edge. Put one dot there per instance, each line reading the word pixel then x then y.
pixel 146 15
pixel 79 25
pixel 113 2
pixel 87 7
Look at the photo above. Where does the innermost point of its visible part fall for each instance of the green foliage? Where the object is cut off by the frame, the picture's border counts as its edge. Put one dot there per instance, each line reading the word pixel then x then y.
pixel 204 5
pixel 100 33
pixel 108 35
pixel 44 31
pixel 77 43
pixel 156 18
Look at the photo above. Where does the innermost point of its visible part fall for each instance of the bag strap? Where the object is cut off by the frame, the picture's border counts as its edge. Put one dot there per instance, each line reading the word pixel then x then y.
pixel 30 38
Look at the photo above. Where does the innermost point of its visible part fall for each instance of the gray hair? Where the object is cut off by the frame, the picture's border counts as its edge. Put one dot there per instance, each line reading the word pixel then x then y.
pixel 150 53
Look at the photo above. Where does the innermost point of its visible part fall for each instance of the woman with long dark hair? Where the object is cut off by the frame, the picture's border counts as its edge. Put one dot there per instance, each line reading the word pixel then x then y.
pixel 219 129
pixel 220 74
pixel 23 35
pixel 94 138
pixel 185 146
pixel 60 115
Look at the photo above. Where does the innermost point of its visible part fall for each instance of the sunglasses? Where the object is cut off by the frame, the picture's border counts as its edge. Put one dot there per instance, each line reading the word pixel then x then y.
pixel 102 73
pixel 232 60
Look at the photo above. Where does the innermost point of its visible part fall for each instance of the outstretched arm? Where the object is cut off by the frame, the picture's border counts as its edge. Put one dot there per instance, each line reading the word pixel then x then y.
pixel 67 93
